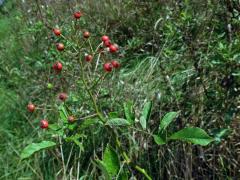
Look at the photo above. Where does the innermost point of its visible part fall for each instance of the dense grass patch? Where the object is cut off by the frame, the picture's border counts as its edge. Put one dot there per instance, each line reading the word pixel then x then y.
pixel 180 57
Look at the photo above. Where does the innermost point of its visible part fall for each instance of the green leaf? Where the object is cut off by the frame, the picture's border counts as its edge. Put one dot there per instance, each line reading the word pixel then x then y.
pixel 128 110
pixel 111 161
pixel 220 134
pixel 158 140
pixel 123 176
pixel 34 147
pixel 63 113
pixel 71 127
pixel 118 122
pixel 113 115
pixel 194 135
pixel 103 168
pixel 145 114
pixel 75 138
pixel 79 144
pixel 167 119
pixel 55 129
pixel 88 122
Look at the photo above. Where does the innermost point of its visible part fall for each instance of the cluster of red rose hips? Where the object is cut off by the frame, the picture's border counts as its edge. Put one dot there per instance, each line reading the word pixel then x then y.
pixel 57 66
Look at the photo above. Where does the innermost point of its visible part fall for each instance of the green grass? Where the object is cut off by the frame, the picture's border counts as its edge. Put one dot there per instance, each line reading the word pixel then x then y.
pixel 14 124
pixel 175 55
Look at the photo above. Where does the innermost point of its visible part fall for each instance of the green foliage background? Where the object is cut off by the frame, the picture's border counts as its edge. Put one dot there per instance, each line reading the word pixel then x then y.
pixel 182 55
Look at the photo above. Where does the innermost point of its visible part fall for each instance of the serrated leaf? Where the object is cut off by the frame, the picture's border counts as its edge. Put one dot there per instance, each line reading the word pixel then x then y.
pixel 111 161
pixel 145 114
pixel 34 147
pixel 118 122
pixel 194 135
pixel 167 119
pixel 158 140
pixel 128 110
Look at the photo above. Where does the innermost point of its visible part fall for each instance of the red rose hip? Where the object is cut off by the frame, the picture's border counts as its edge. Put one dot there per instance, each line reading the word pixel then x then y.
pixel 107 67
pixel 57 66
pixel 77 15
pixel 31 107
pixel 113 48
pixel 71 119
pixel 88 58
pixel 60 46
pixel 115 64
pixel 57 32
pixel 44 124
pixel 62 96
pixel 105 38
pixel 107 43
pixel 86 34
